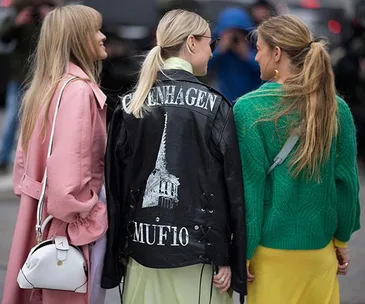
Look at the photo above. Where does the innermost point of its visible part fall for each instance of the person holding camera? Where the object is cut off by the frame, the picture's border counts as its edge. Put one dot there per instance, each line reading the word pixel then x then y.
pixel 262 10
pixel 233 63
pixel 22 28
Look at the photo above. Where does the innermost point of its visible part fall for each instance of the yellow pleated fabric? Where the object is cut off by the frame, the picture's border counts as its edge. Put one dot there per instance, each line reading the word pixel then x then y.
pixel 294 276
pixel 145 285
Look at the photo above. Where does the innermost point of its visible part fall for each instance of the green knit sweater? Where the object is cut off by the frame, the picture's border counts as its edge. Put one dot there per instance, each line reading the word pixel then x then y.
pixel 284 212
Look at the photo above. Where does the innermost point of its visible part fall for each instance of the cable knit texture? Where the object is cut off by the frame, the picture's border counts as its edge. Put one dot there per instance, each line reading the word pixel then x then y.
pixel 284 212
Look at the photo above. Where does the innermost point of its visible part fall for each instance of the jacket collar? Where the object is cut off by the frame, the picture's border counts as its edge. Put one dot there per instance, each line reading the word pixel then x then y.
pixel 181 75
pixel 178 75
pixel 75 70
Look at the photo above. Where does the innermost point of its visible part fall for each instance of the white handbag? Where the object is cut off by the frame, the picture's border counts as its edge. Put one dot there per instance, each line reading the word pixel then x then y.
pixel 54 263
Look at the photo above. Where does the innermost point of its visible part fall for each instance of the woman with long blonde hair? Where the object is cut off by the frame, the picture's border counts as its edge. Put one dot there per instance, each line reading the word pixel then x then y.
pixel 71 48
pixel 301 213
pixel 173 183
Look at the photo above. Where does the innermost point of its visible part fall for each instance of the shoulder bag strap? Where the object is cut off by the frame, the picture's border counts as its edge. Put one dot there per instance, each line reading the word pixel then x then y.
pixel 39 226
pixel 285 151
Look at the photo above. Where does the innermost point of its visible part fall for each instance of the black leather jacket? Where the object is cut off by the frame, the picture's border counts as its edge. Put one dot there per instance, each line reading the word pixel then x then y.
pixel 174 183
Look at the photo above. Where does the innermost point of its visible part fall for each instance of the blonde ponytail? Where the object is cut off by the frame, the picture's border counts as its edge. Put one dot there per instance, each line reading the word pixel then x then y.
pixel 148 74
pixel 315 94
pixel 309 93
pixel 171 34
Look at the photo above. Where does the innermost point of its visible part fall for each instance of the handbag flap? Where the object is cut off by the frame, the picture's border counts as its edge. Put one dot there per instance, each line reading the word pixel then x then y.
pixel 62 247
pixel 61 243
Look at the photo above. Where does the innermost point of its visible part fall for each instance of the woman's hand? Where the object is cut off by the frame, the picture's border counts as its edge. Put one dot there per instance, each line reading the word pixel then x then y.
pixel 222 279
pixel 343 259
pixel 250 276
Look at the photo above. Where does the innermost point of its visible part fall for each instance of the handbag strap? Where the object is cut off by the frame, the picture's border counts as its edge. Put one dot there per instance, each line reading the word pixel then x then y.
pixel 285 151
pixel 39 226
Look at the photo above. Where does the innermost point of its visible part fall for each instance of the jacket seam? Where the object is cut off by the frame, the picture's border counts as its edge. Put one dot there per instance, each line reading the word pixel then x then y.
pixel 222 130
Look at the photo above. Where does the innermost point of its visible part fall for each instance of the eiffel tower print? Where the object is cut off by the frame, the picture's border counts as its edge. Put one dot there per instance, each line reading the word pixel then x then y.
pixel 162 187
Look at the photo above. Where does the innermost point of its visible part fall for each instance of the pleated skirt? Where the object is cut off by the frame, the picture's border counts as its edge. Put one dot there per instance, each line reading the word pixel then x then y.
pixel 181 285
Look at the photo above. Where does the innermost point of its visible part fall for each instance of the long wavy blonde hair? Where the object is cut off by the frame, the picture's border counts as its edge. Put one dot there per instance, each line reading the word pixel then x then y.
pixel 67 35
pixel 310 92
pixel 172 31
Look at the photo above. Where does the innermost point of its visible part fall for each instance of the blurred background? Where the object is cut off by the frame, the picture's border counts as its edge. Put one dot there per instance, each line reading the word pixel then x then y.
pixel 130 26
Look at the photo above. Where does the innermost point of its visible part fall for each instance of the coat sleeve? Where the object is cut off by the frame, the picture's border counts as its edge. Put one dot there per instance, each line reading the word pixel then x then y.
pixel 18 170
pixel 115 164
pixel 70 195
pixel 228 145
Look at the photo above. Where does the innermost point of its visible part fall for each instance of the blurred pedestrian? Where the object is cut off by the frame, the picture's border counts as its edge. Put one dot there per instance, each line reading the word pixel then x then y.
pixel 301 214
pixel 23 30
pixel 70 45
pixel 262 10
pixel 176 219
pixel 233 63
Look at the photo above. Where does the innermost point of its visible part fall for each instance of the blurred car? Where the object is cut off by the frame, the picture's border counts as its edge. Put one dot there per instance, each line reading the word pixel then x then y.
pixel 360 11
pixel 324 18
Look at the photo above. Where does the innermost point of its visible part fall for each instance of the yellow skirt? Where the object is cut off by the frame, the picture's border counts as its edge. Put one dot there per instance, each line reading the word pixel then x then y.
pixel 181 285
pixel 294 276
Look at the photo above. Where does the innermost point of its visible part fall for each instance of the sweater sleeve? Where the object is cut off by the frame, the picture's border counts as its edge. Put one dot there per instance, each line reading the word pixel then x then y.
pixel 254 175
pixel 346 176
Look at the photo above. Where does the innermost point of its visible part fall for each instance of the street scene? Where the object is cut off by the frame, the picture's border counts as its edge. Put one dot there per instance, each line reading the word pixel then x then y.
pixel 131 32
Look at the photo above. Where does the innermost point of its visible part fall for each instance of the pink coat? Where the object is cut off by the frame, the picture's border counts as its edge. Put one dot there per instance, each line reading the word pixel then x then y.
pixel 75 176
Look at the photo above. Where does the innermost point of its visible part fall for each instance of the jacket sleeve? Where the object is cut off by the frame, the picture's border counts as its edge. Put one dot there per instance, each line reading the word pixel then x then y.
pixel 114 167
pixel 346 177
pixel 228 145
pixel 18 170
pixel 69 168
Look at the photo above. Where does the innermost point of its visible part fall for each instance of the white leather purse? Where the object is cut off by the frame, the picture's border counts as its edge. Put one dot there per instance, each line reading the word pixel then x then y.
pixel 54 263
